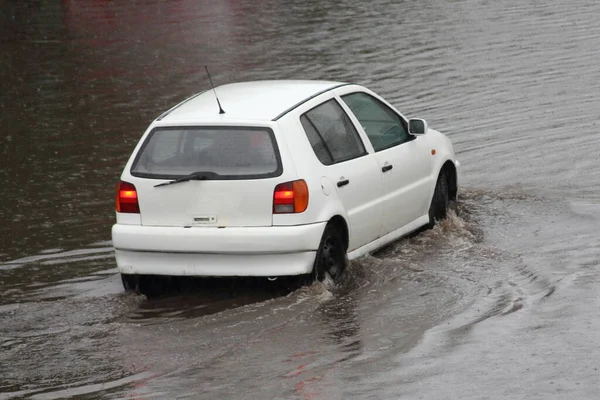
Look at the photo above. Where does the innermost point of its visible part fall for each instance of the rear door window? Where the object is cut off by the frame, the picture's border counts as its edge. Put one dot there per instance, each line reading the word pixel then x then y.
pixel 331 133
pixel 228 152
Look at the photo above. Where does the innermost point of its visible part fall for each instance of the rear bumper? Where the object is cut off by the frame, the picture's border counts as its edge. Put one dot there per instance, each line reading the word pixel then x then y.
pixel 193 264
pixel 203 251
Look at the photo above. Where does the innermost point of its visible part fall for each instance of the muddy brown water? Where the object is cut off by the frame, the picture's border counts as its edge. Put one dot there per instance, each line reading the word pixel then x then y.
pixel 500 301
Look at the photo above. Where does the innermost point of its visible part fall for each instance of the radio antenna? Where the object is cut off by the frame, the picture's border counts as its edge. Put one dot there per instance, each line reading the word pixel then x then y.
pixel 214 91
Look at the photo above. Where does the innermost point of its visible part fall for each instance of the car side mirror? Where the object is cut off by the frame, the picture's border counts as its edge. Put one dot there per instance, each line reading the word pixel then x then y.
pixel 417 126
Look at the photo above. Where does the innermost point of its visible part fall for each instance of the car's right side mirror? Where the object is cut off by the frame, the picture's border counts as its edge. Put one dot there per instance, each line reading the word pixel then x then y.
pixel 417 126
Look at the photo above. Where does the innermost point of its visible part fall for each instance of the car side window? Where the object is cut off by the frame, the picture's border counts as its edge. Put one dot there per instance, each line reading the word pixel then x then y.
pixel 383 126
pixel 331 133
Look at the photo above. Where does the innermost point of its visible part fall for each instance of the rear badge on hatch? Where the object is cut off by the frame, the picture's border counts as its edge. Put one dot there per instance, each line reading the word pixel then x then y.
pixel 205 219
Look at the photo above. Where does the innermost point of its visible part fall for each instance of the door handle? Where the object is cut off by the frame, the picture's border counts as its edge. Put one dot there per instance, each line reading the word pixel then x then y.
pixel 343 183
pixel 386 168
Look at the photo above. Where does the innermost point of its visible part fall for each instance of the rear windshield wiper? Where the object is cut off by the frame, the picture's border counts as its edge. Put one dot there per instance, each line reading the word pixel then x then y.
pixel 194 176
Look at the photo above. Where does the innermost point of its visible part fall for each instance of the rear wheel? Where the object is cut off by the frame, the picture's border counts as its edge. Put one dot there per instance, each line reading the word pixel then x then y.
pixel 149 285
pixel 130 282
pixel 331 256
pixel 438 210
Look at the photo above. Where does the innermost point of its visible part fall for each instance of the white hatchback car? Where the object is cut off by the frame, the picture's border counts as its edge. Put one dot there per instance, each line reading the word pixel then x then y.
pixel 288 178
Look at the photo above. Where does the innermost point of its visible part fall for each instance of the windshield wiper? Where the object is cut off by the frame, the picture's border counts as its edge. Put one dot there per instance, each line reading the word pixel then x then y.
pixel 194 176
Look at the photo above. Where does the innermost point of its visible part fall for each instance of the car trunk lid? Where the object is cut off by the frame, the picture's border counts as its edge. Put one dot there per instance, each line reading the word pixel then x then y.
pixel 226 176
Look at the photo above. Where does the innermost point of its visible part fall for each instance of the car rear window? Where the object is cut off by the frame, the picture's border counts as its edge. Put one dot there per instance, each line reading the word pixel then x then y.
pixel 229 152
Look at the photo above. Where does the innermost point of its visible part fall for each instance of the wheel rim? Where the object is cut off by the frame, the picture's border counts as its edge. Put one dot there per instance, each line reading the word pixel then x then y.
pixel 330 262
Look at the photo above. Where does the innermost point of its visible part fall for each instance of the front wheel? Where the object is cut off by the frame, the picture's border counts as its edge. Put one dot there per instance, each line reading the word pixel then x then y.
pixel 331 255
pixel 438 210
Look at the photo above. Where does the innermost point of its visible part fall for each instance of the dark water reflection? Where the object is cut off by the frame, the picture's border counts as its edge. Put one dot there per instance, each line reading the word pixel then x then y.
pixel 514 83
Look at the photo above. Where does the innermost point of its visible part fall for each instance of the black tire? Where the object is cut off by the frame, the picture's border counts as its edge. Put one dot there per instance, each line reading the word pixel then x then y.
pixel 438 209
pixel 130 282
pixel 331 255
pixel 148 285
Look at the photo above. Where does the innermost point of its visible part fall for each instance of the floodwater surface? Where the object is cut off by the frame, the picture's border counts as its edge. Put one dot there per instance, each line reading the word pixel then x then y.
pixel 499 301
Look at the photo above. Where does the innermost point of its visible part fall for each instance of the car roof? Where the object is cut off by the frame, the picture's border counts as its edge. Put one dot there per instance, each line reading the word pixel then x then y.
pixel 256 100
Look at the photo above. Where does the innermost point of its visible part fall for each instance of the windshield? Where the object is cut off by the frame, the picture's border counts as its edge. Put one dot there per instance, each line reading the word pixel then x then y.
pixel 228 152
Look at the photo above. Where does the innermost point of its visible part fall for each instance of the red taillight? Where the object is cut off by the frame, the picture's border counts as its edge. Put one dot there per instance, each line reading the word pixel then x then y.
pixel 127 200
pixel 290 197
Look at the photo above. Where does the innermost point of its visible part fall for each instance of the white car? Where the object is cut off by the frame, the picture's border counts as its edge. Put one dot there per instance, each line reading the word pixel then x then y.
pixel 287 178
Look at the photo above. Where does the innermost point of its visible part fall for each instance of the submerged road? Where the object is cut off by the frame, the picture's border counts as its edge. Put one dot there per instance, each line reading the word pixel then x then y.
pixel 500 301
